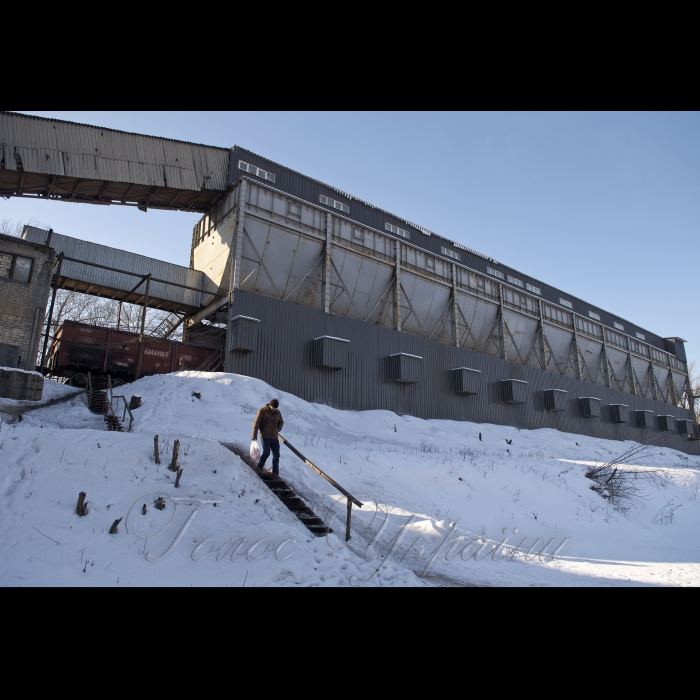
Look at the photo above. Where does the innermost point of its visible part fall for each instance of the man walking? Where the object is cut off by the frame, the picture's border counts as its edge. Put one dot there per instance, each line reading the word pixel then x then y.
pixel 269 422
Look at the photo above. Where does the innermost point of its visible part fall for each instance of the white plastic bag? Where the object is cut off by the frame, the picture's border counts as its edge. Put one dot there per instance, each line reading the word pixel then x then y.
pixel 255 450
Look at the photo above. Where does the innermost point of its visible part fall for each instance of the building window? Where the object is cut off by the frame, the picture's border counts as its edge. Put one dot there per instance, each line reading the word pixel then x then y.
pixel 566 303
pixel 619 326
pixel 495 273
pixel 334 203
pixel 533 289
pixel 594 315
pixel 516 282
pixel 398 231
pixel 450 253
pixel 254 170
pixel 640 336
pixel 16 267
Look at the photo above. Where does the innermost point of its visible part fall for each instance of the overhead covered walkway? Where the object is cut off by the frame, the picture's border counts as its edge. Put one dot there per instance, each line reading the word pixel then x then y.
pixel 102 271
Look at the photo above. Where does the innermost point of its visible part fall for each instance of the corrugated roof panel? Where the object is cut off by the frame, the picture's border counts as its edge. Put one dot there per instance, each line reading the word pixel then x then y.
pixel 10 162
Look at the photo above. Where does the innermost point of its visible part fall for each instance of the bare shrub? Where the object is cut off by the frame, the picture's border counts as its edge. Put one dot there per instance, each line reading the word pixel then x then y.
pixel 624 488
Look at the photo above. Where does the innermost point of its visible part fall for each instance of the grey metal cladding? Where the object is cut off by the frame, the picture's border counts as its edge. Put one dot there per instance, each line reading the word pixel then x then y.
pixel 665 423
pixel 619 413
pixel 466 381
pixel 284 361
pixel 244 334
pixel 405 368
pixel 589 406
pixel 644 418
pixel 329 352
pixel 514 391
pixel 554 399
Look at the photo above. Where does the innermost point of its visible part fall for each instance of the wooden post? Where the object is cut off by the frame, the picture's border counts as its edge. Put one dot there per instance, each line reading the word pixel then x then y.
pixel 177 480
pixel 81 508
pixel 176 452
pixel 156 450
pixel 347 526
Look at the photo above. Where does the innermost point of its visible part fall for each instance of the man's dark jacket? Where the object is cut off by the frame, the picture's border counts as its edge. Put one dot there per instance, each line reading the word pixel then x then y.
pixel 269 422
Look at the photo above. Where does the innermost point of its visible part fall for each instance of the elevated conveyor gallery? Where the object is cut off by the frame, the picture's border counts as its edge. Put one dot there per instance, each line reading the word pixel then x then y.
pixel 59 160
pixel 107 272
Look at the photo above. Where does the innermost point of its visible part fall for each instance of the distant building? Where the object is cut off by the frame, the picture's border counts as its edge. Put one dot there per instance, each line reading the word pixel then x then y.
pixel 25 280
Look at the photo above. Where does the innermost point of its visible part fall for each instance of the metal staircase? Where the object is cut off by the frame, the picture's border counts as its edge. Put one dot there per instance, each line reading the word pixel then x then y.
pixel 285 493
pixel 101 400
pixel 167 326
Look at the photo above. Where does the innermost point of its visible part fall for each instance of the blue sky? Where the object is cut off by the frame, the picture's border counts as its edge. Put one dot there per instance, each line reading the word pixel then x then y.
pixel 604 205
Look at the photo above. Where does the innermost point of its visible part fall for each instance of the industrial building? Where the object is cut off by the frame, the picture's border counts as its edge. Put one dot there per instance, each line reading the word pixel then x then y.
pixel 338 301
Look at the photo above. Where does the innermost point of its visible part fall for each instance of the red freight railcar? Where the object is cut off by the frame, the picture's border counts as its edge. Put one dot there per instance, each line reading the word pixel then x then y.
pixel 81 348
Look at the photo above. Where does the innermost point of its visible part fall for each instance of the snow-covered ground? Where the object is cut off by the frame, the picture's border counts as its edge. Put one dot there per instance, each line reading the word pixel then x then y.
pixel 445 502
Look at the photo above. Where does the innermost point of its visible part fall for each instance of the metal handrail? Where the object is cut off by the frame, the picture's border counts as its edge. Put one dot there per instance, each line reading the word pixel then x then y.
pixel 125 411
pixel 110 404
pixel 350 498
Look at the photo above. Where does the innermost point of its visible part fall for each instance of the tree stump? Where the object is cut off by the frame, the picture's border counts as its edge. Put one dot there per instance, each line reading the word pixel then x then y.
pixel 156 449
pixel 159 503
pixel 144 510
pixel 81 508
pixel 176 453
pixel 115 526
pixel 177 481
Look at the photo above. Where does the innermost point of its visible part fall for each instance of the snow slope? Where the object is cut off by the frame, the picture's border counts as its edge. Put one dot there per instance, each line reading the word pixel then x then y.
pixel 442 505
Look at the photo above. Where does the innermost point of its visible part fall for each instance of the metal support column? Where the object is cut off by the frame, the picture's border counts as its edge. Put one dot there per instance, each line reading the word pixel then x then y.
pixel 606 366
pixel 540 337
pixel 236 251
pixel 327 265
pixel 455 308
pixel 652 382
pixel 577 354
pixel 53 301
pixel 397 288
pixel 630 370
pixel 501 332
pixel 143 326
pixel 674 393
pixel 237 247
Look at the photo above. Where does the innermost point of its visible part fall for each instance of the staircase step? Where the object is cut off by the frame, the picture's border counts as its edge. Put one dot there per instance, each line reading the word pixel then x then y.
pixel 284 492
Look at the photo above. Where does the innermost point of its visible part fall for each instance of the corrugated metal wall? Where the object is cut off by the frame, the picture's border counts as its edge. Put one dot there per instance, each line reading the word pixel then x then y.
pixel 123 260
pixel 284 358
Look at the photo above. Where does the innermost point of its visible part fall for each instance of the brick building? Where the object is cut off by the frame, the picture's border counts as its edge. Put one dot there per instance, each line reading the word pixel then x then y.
pixel 25 281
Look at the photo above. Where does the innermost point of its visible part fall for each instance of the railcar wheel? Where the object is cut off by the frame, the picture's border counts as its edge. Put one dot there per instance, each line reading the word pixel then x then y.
pixel 79 380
